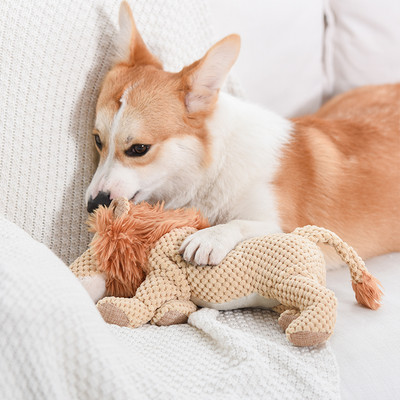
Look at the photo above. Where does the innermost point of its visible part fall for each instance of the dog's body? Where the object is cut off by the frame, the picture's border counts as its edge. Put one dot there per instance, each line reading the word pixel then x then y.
pixel 345 161
pixel 174 138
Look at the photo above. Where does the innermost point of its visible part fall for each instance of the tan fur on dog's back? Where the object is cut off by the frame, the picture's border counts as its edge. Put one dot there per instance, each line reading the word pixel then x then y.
pixel 341 170
pixel 248 169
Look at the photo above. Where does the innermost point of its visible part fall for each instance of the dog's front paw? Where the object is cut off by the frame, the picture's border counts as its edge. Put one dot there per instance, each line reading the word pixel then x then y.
pixel 210 246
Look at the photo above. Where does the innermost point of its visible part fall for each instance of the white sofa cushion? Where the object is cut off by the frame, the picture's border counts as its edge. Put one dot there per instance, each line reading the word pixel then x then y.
pixel 281 61
pixel 54 55
pixel 55 345
pixel 366 43
pixel 366 342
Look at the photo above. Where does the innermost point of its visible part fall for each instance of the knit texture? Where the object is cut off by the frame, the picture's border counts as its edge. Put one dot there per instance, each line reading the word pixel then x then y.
pixel 285 267
pixel 54 345
pixel 53 57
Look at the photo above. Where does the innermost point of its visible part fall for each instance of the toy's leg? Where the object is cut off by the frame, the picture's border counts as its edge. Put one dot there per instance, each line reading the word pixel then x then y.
pixel 280 309
pixel 318 310
pixel 173 312
pixel 287 315
pixel 124 311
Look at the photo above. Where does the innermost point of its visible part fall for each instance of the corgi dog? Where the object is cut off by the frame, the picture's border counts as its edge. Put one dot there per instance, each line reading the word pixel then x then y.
pixel 174 137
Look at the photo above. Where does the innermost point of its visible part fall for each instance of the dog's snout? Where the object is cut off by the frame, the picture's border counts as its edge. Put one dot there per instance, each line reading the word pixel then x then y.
pixel 102 199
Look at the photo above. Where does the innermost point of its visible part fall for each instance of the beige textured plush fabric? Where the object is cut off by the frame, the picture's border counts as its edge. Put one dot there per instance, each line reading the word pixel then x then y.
pixel 53 56
pixel 285 272
pixel 285 267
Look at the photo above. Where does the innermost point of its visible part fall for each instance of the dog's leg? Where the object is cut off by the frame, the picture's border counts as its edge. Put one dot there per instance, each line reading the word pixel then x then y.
pixel 210 246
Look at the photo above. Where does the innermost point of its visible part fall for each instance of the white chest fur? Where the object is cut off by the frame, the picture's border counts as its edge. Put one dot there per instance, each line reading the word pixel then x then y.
pixel 246 149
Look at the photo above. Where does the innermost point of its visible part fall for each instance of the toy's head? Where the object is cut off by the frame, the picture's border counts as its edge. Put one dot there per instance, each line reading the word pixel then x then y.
pixel 124 235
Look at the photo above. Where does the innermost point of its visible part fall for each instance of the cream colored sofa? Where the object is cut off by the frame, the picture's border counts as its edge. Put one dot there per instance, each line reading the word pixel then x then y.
pixel 292 60
pixel 53 55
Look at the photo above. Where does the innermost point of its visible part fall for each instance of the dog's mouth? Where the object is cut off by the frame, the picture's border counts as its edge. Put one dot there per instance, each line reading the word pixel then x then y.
pixel 132 199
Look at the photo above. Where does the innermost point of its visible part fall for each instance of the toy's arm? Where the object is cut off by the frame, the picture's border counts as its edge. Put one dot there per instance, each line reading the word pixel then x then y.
pixel 85 265
pixel 85 269
pixel 124 311
pixel 165 289
pixel 155 291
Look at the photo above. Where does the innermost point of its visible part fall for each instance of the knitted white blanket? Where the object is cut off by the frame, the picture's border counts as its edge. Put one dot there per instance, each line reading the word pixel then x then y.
pixel 54 344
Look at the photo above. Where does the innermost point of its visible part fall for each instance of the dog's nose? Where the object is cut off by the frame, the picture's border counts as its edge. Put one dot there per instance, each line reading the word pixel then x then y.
pixel 102 199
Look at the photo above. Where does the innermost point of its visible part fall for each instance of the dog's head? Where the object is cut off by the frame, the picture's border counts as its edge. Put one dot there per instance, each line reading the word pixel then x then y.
pixel 150 124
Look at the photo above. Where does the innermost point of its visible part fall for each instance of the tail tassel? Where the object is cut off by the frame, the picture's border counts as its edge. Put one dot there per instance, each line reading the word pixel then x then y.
pixel 368 292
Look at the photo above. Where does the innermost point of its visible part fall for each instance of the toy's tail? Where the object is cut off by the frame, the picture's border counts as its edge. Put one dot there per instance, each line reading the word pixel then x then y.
pixel 365 286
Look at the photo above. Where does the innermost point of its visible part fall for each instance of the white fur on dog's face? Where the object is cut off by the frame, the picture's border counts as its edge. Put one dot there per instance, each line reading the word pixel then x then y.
pixel 151 182
pixel 141 104
pixel 177 158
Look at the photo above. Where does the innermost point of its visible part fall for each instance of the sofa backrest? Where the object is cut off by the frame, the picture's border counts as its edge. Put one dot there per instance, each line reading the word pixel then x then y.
pixel 296 54
pixel 53 57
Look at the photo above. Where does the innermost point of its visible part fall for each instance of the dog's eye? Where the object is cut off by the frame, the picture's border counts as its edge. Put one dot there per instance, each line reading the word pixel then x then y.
pixel 98 141
pixel 137 150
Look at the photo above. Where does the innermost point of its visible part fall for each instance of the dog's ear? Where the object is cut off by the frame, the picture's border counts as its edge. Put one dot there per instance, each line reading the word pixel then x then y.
pixel 203 79
pixel 130 47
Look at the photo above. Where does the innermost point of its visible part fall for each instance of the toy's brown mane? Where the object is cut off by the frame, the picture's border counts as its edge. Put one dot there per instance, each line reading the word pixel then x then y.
pixel 122 244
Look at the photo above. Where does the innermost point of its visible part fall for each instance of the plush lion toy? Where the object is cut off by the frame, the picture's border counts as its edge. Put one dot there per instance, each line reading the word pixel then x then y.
pixel 136 251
